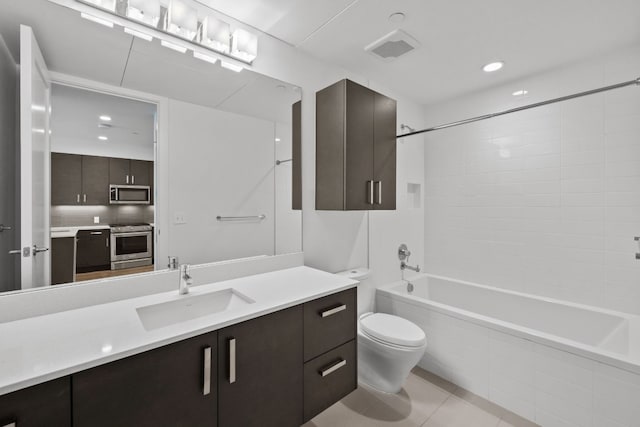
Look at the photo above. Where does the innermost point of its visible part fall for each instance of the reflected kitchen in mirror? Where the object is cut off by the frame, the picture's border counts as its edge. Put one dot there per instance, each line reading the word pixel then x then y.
pixel 136 151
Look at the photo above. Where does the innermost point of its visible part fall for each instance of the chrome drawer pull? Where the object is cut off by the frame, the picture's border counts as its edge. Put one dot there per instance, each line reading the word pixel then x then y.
pixel 333 368
pixel 232 360
pixel 333 311
pixel 206 388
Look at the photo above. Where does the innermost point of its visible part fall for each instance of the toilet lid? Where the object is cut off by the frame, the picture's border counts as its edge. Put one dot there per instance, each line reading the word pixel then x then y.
pixel 393 330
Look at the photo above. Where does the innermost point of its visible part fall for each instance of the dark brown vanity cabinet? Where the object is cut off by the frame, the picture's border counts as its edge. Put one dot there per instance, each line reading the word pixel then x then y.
pixel 93 250
pixel 260 371
pixel 355 148
pixel 172 386
pixel 46 404
pixel 130 172
pixel 79 180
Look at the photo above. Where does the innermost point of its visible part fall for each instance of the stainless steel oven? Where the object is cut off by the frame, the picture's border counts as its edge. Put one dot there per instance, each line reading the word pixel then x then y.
pixel 131 245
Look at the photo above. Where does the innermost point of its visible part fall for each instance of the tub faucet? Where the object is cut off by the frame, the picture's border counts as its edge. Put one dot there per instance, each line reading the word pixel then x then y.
pixel 405 266
pixel 403 255
pixel 185 279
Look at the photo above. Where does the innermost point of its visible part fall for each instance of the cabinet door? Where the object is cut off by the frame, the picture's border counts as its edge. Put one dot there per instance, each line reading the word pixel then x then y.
pixel 93 252
pixel 359 147
pixel 119 171
pixel 267 366
pixel 66 179
pixel 162 387
pixel 95 180
pixel 384 152
pixel 63 252
pixel 47 404
pixel 141 172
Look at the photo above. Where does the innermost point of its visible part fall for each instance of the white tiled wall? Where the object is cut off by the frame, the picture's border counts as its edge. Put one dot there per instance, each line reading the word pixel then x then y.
pixel 545 201
pixel 545 385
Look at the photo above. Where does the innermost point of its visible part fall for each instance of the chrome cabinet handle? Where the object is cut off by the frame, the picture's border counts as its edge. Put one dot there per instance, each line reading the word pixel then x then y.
pixel 127 179
pixel 331 369
pixel 370 188
pixel 37 250
pixel 379 192
pixel 206 388
pixel 232 360
pixel 333 311
pixel 96 233
pixel 84 198
pixel 77 198
pixel 106 242
pixel 5 228
pixel 133 179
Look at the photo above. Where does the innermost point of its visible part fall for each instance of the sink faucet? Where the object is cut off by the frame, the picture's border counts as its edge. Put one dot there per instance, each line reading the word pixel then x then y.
pixel 185 279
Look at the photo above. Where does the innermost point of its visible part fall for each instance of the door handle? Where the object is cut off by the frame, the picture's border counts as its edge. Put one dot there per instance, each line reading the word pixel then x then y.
pixel 77 198
pixel 370 195
pixel 5 228
pixel 127 179
pixel 133 179
pixel 96 233
pixel 84 198
pixel 232 360
pixel 206 387
pixel 26 252
pixel 379 185
pixel 333 311
pixel 37 250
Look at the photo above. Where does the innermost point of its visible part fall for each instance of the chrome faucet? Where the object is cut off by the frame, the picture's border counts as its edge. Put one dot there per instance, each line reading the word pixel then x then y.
pixel 405 266
pixel 185 279
pixel 403 254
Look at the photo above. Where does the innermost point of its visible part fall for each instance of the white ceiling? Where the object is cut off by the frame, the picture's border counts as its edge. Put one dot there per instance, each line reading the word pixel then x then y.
pixel 78 47
pixel 457 37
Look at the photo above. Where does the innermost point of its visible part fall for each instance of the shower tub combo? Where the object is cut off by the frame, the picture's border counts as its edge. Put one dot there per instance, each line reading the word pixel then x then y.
pixel 550 361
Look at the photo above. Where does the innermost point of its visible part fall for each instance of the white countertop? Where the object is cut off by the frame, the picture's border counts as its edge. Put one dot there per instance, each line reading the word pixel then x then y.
pixel 72 231
pixel 43 348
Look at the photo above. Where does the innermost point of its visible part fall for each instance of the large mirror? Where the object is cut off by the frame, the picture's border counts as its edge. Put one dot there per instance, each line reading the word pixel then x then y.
pixel 117 152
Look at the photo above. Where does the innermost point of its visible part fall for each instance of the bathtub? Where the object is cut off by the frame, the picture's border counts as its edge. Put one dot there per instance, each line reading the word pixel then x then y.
pixel 551 361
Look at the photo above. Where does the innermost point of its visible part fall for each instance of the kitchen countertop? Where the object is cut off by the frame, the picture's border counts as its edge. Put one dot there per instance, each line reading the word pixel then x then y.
pixel 43 348
pixel 72 231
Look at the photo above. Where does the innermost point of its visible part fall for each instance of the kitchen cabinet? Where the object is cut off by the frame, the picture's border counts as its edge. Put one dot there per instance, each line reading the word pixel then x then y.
pixel 260 371
pixel 173 385
pixel 355 148
pixel 93 250
pixel 130 172
pixel 79 180
pixel 296 151
pixel 63 260
pixel 46 404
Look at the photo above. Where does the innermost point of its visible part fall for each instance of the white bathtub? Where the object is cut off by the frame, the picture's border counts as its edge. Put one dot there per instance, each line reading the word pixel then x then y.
pixel 554 362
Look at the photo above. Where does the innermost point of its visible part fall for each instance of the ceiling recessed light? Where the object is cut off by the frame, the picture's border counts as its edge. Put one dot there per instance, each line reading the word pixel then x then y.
pixel 102 138
pixel 105 118
pixel 520 92
pixel 494 66
pixel 397 18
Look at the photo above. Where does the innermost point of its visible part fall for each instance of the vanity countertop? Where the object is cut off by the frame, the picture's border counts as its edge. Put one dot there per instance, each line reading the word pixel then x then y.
pixel 72 231
pixel 43 348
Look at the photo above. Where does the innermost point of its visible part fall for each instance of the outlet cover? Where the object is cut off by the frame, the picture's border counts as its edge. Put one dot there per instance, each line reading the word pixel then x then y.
pixel 179 218
pixel 96 220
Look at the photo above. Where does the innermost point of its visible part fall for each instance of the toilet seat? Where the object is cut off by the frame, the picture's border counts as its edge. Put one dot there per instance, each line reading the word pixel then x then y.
pixel 393 330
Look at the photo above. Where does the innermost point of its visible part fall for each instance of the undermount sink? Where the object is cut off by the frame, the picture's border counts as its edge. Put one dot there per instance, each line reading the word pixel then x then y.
pixel 190 307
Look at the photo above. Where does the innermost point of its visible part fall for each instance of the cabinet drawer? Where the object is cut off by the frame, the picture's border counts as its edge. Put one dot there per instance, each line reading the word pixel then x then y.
pixel 329 322
pixel 47 404
pixel 329 378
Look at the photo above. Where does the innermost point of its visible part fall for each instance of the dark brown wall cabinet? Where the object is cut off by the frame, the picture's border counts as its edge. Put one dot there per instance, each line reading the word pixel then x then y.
pixel 355 148
pixel 260 366
pixel 170 386
pixel 130 172
pixel 93 252
pixel 79 180
pixel 47 404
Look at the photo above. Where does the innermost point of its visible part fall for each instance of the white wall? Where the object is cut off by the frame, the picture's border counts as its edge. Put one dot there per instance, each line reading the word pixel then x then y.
pixel 219 164
pixel 288 222
pixel 545 201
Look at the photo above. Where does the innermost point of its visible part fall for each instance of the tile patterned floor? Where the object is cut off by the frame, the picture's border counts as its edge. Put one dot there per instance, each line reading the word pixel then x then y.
pixel 425 401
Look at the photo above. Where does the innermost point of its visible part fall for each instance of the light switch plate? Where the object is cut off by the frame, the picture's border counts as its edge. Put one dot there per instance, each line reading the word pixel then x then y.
pixel 96 220
pixel 179 218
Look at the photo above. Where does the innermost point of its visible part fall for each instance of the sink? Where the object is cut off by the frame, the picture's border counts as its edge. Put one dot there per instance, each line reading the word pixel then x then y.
pixel 190 307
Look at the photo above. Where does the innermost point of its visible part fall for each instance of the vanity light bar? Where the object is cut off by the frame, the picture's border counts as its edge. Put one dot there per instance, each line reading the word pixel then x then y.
pixel 182 20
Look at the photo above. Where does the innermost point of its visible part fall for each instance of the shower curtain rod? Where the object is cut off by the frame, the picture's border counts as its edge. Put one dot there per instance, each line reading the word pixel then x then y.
pixel 524 107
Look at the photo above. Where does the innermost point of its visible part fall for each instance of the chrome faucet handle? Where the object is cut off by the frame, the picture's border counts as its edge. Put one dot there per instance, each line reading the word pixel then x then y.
pixel 185 280
pixel 403 252
pixel 173 263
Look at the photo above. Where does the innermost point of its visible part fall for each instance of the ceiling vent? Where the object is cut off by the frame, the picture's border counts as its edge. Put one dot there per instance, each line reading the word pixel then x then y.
pixel 392 46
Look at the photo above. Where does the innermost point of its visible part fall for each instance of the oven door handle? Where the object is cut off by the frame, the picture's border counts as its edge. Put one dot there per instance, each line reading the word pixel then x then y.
pixel 131 234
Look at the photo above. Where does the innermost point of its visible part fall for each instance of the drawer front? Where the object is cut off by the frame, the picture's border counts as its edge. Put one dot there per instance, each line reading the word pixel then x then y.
pixel 329 378
pixel 47 404
pixel 329 322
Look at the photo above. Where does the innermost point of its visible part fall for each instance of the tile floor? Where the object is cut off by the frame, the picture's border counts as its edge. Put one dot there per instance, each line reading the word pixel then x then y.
pixel 426 400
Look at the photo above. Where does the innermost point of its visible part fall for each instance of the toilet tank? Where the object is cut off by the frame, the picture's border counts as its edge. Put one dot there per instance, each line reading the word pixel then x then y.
pixel 366 289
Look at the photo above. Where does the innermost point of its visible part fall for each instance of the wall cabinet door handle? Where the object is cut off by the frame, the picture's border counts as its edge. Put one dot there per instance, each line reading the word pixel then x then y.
pixel 84 198
pixel 206 383
pixel 379 185
pixel 333 311
pixel 232 360
pixel 133 179
pixel 370 192
pixel 96 233
pixel 127 179
pixel 77 198
pixel 332 368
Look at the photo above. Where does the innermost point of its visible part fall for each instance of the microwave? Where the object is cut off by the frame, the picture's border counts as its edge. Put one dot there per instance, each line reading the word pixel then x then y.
pixel 129 194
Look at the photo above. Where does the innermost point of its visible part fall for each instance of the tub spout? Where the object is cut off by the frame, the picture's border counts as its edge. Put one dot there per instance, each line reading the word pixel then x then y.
pixel 405 266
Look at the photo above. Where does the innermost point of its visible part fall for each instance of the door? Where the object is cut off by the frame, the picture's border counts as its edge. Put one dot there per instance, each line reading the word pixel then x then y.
pixel 119 171
pixel 95 180
pixel 260 371
pixel 359 147
pixel 35 161
pixel 141 172
pixel 172 386
pixel 384 153
pixel 66 179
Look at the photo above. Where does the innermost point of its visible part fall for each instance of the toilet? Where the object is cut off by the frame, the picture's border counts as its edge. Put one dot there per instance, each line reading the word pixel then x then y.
pixel 388 346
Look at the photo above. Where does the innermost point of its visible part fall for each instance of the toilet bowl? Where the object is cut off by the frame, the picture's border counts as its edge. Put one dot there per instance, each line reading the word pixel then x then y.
pixel 388 348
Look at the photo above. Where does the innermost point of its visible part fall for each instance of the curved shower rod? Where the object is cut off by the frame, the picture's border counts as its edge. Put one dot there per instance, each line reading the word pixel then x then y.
pixel 635 82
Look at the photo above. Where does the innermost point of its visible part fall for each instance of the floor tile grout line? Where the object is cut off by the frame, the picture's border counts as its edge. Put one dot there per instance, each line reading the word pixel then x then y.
pixel 437 409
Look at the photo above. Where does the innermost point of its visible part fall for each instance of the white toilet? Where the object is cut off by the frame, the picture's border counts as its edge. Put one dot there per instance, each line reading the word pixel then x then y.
pixel 388 346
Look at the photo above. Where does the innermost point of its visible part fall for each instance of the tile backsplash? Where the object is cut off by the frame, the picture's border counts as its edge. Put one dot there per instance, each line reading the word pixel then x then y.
pixel 67 216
